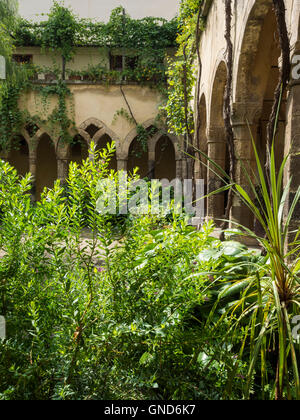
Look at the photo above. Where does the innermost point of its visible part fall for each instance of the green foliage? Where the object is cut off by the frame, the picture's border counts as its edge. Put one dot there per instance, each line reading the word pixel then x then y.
pixel 92 318
pixel 120 32
pixel 181 71
pixel 181 81
pixel 59 33
pixel 8 9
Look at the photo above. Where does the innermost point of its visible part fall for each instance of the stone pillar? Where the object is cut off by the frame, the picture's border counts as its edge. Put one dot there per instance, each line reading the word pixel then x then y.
pixel 184 168
pixel 122 164
pixel 32 170
pixel 292 146
pixel 151 164
pixel 217 153
pixel 62 169
pixel 245 161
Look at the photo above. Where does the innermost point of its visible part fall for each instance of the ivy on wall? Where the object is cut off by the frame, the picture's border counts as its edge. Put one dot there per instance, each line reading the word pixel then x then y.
pixel 182 71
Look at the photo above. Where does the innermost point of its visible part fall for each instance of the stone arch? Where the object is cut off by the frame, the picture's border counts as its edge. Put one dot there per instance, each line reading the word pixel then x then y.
pixel 258 72
pixel 46 164
pixel 163 155
pixel 79 149
pixel 152 143
pixel 126 144
pixel 217 95
pixel 256 77
pixel 91 121
pixel 138 158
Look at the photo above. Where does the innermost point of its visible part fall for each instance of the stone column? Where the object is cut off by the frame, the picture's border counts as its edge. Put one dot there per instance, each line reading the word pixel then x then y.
pixel 292 146
pixel 245 162
pixel 62 169
pixel 184 168
pixel 122 164
pixel 32 170
pixel 179 168
pixel 217 153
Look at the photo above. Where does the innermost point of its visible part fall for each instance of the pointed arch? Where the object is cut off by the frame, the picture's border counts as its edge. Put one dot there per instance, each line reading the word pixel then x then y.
pixel 78 149
pixel 98 130
pixel 245 74
pixel 165 158
pixel 131 136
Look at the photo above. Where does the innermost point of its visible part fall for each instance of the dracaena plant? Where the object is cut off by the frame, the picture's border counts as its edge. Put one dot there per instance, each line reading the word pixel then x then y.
pixel 270 296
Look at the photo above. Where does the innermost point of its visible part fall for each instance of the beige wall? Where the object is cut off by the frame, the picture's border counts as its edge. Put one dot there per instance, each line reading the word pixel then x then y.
pixel 82 59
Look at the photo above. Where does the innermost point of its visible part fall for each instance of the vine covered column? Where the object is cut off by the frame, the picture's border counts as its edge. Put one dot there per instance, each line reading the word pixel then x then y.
pixel 122 164
pixel 217 153
pixel 179 169
pixel 245 162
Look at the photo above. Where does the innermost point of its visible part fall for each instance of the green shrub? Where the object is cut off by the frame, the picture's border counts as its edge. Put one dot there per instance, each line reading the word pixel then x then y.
pixel 94 318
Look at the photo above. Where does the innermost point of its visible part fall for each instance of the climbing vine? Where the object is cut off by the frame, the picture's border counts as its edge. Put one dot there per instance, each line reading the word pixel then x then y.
pixel 59 121
pixel 181 72
pixel 285 70
pixel 227 111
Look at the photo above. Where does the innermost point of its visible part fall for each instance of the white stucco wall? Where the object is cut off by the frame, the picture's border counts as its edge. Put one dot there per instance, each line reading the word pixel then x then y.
pixel 101 9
